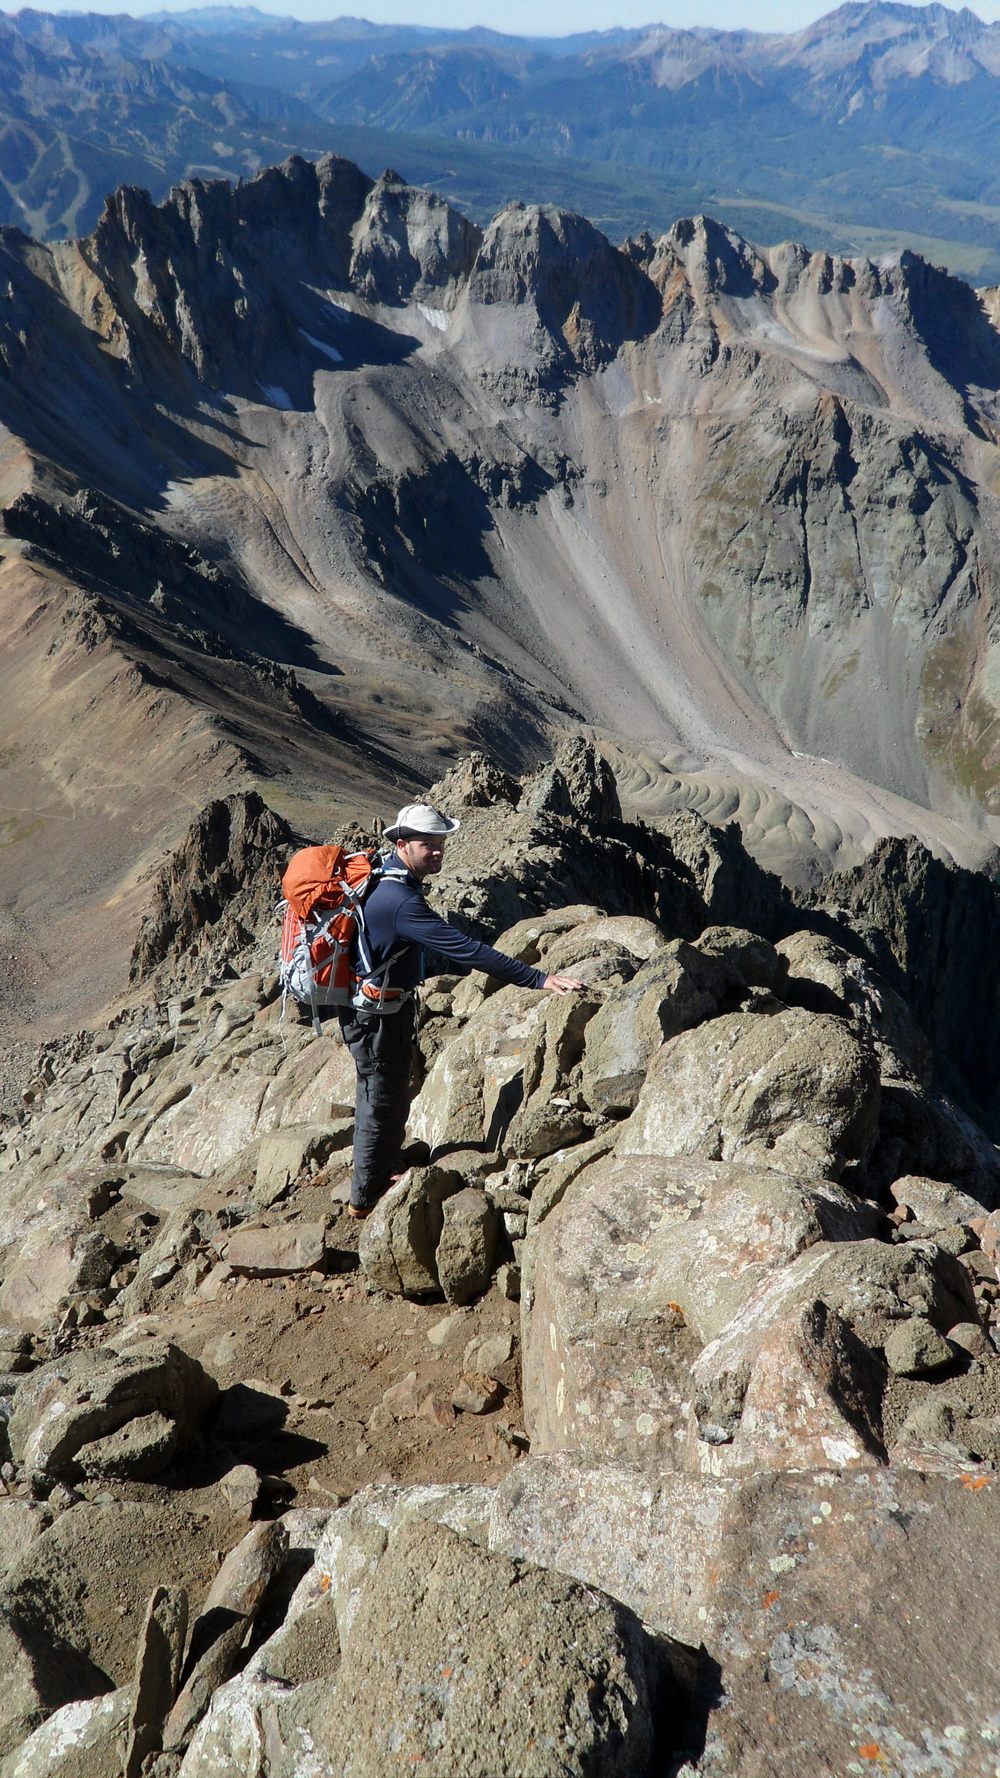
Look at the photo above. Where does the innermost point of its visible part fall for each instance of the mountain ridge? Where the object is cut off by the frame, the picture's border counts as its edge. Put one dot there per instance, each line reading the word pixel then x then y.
pixel 872 128
pixel 359 480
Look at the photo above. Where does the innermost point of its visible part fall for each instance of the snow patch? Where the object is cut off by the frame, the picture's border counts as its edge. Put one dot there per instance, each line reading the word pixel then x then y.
pixel 435 317
pixel 321 346
pixel 274 393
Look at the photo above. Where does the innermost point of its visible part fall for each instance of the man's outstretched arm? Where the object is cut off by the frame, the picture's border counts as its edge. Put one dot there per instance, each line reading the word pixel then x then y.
pixel 420 925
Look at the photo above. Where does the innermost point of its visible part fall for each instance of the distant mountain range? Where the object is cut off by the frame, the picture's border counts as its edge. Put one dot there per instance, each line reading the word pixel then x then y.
pixel 877 127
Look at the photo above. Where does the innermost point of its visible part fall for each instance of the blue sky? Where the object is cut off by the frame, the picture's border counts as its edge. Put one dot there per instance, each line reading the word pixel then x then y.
pixel 536 17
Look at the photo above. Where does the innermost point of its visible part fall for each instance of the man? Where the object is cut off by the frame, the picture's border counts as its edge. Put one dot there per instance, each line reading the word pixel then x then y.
pixel 400 929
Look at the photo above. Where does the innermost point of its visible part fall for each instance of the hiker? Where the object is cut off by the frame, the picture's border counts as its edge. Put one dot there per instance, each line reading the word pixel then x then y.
pixel 400 929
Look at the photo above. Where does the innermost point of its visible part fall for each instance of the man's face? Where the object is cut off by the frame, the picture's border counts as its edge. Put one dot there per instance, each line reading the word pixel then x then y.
pixel 423 856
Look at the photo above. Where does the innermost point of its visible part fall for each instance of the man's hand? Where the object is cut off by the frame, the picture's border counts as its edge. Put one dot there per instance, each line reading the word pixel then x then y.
pixel 562 984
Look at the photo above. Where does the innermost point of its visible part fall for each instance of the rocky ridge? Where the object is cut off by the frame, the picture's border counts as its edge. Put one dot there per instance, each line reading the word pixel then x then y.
pixel 746 1305
pixel 877 118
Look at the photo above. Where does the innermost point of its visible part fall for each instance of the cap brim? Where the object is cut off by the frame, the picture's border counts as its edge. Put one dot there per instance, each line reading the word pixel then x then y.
pixel 396 832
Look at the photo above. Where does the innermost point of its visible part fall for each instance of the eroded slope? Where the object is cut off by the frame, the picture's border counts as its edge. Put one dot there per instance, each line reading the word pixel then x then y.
pixel 733 508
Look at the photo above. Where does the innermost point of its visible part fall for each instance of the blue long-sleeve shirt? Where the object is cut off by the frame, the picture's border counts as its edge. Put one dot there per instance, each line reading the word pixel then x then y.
pixel 397 918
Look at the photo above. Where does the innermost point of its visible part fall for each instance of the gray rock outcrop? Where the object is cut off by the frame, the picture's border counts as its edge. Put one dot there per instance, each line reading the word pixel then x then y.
pixel 796 1090
pixel 126 1414
pixel 580 1695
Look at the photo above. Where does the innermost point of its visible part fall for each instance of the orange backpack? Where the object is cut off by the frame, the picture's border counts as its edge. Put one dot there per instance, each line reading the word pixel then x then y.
pixel 324 959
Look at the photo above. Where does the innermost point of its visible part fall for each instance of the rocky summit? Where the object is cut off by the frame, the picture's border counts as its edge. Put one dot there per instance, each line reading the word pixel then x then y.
pixel 652 1425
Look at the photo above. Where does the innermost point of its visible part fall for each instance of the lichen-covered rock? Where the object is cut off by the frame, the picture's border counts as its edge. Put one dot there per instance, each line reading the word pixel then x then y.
pixel 259 1727
pixel 201 1117
pixel 639 1265
pixel 652 1541
pixel 811 1394
pixel 643 938
pixel 813 1614
pixel 349 1551
pixel 530 940
pixel 40 1675
pixel 817 1646
pixel 797 1091
pixel 85 1739
pixel 428 1671
pixel 798 1376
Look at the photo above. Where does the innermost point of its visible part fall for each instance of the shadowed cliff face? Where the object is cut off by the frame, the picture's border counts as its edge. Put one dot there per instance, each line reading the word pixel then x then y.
pixel 734 507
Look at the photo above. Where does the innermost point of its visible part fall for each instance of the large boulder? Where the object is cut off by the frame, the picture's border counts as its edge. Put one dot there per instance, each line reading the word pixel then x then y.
pixel 465 1662
pixel 474 1085
pixel 124 1411
pixel 532 939
pixel 854 1618
pixel 678 988
pixel 547 1119
pixel 748 960
pixel 799 1377
pixel 79 1594
pixel 652 1541
pixel 850 1614
pixel 639 936
pixel 399 1240
pixel 640 1263
pixel 265 1723
pixel 357 1537
pixel 795 1090
pixel 823 977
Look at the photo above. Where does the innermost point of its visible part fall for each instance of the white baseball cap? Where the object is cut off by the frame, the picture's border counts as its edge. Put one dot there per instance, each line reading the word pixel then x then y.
pixel 421 819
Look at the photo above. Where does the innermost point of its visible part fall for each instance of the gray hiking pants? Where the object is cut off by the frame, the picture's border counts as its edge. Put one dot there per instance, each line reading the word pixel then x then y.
pixel 382 1047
